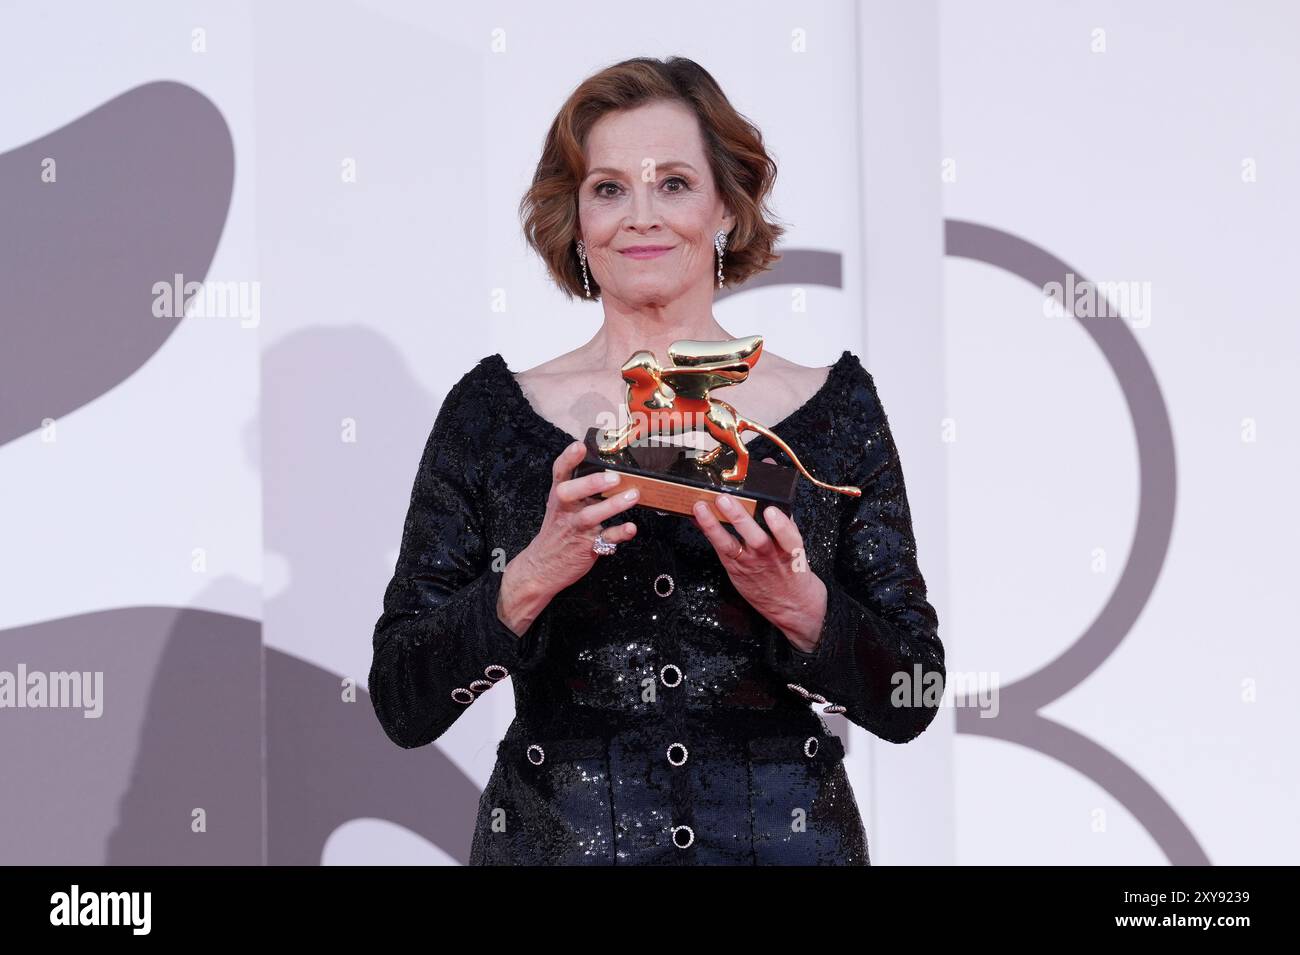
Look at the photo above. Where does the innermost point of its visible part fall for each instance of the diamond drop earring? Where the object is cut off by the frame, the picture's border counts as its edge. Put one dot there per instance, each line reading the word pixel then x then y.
pixel 582 257
pixel 720 243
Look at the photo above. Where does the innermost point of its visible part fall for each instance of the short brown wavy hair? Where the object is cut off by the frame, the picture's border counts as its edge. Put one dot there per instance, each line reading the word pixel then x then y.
pixel 743 172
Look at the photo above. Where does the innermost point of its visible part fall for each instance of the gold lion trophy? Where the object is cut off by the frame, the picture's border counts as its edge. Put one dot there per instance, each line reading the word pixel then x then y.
pixel 676 399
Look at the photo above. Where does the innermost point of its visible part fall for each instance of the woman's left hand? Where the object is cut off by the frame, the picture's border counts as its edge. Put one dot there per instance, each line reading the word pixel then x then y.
pixel 772 571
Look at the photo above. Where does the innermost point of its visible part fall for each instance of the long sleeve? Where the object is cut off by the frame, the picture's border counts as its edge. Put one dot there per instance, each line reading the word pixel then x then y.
pixel 439 643
pixel 879 660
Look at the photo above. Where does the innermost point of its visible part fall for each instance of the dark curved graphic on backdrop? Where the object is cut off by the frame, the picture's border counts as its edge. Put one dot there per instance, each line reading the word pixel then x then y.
pixel 1018 719
pixel 141 191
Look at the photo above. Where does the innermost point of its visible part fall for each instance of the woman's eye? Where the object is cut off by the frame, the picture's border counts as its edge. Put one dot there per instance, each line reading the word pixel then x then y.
pixel 600 193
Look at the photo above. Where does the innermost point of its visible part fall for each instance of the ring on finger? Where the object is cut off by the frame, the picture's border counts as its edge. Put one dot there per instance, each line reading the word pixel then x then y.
pixel 603 547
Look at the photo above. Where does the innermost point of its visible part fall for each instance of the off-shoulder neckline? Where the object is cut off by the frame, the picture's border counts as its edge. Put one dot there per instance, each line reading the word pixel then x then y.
pixel 838 369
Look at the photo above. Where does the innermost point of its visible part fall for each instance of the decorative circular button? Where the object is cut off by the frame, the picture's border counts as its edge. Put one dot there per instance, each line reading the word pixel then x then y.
pixel 501 671
pixel 680 748
pixel 834 708
pixel 467 696
pixel 810 747
pixel 798 689
pixel 664 593
pixel 478 686
pixel 817 698
pixel 663 674
pixel 541 754
pixel 690 836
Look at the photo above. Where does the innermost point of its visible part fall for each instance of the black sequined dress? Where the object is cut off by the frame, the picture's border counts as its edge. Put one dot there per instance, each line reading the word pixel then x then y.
pixel 659 718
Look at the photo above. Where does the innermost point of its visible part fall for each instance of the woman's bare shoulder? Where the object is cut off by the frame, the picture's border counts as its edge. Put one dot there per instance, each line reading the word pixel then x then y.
pixel 561 366
pixel 797 378
pixel 777 385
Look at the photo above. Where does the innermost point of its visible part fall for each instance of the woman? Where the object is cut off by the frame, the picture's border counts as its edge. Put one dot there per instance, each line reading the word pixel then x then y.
pixel 663 666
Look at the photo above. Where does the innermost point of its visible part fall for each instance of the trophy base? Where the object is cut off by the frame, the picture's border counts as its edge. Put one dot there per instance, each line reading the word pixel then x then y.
pixel 669 479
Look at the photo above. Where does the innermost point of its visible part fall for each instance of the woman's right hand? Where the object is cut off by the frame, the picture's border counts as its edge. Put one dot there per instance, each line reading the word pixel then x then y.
pixel 561 554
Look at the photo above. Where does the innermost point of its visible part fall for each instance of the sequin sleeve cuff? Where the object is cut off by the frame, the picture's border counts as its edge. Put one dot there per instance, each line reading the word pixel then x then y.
pixel 865 667
pixel 431 662
pixel 523 650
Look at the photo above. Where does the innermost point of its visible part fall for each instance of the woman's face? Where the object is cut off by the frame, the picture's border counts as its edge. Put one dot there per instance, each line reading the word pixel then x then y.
pixel 649 185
